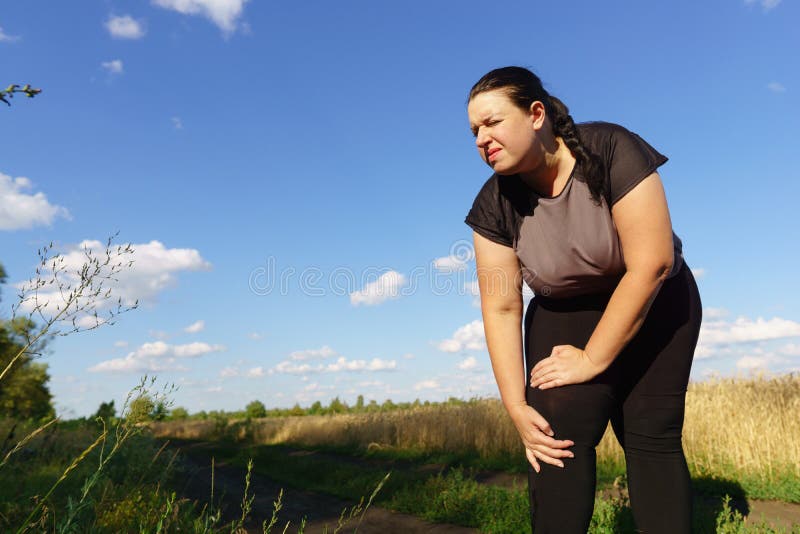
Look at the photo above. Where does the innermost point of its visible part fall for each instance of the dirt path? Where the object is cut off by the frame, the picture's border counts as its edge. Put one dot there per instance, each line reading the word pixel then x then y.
pixel 321 511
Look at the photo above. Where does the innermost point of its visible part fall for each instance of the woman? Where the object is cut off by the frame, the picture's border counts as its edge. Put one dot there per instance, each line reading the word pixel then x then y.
pixel 578 212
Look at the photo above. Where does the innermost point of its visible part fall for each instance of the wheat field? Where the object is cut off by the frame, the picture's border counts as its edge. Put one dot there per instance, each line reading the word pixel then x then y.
pixel 733 427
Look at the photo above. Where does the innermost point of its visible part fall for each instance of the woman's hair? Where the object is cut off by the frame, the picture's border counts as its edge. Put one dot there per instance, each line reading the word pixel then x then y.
pixel 524 88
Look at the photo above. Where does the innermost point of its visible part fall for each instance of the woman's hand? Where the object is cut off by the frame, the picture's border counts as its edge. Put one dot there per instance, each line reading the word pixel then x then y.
pixel 537 436
pixel 565 365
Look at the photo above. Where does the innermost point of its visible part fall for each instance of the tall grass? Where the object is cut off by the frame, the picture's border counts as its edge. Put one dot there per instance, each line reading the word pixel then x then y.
pixel 742 429
pixel 745 430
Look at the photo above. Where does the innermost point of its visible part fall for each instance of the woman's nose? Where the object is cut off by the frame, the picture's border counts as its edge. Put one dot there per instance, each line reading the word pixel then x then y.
pixel 481 139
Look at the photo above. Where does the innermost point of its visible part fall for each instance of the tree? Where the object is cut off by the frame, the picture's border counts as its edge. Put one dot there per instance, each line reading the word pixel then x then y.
pixel 255 410
pixel 23 391
pixel 316 408
pixel 160 411
pixel 337 406
pixel 178 414
pixel 106 411
pixel 360 403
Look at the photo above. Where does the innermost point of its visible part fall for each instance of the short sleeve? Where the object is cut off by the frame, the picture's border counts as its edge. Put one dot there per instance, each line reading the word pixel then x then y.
pixel 489 214
pixel 632 160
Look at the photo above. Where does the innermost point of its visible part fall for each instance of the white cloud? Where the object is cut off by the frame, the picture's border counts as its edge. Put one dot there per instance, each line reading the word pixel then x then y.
pixel 195 327
pixel 759 362
pixel 698 273
pixel 255 372
pixel 121 344
pixel 375 364
pixel 450 264
pixel 370 384
pixel 313 354
pixel 387 286
pixel 426 384
pixel 155 357
pixel 744 330
pixel 714 313
pixel 234 371
pixel 229 372
pixel 472 288
pixel 90 321
pixel 255 336
pixel 287 367
pixel 177 123
pixel 193 350
pixel 408 356
pixel 792 349
pixel 703 351
pixel 776 87
pixel 468 364
pixel 342 364
pixel 154 269
pixel 766 5
pixel 720 337
pixel 114 66
pixel 20 210
pixel 468 337
pixel 750 362
pixel 4 37
pixel 124 27
pixel 223 13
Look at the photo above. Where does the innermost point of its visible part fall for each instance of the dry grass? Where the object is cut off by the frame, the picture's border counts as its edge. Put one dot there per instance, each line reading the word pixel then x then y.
pixel 734 427
pixel 477 427
pixel 738 426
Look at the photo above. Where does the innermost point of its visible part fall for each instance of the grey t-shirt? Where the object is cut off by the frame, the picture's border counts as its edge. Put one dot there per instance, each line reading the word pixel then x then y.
pixel 568 245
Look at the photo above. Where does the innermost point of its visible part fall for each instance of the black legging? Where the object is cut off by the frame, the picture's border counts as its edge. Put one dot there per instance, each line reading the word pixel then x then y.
pixel 642 393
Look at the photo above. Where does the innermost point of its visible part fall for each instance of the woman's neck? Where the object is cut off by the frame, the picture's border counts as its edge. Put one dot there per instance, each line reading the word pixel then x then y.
pixel 551 176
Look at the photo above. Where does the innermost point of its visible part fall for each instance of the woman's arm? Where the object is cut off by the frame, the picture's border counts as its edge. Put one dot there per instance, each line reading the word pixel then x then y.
pixel 499 281
pixel 645 233
pixel 500 284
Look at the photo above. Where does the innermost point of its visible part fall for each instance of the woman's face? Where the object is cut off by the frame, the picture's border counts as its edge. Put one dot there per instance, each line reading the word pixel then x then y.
pixel 505 135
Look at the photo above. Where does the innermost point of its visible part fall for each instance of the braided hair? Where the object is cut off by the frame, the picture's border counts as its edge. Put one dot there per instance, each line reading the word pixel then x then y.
pixel 524 88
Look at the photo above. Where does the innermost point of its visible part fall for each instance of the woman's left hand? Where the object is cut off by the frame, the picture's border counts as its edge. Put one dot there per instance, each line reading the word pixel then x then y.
pixel 565 365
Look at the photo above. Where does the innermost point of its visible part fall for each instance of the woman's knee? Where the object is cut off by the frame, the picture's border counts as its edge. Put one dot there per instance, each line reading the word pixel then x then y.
pixel 578 412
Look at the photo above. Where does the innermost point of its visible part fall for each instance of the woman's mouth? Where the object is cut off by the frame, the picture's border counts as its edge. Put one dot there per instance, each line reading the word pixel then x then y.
pixel 491 154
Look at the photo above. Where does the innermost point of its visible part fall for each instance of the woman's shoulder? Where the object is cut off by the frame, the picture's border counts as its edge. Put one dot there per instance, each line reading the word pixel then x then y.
pixel 508 188
pixel 600 134
pixel 626 156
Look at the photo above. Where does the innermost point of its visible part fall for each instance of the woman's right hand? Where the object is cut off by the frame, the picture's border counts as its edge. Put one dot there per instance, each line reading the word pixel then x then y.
pixel 537 436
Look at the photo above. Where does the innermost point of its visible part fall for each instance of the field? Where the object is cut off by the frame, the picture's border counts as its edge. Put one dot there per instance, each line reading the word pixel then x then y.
pixel 456 464
pixel 742 438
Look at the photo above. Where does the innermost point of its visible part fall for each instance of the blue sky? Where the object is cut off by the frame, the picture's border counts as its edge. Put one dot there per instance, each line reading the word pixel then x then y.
pixel 235 142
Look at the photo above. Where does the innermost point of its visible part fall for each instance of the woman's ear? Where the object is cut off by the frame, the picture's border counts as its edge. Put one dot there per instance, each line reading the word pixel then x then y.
pixel 537 114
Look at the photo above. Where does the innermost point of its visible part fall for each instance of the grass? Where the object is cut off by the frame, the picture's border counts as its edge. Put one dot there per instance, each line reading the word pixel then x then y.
pixel 743 430
pixel 448 493
pixel 75 477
